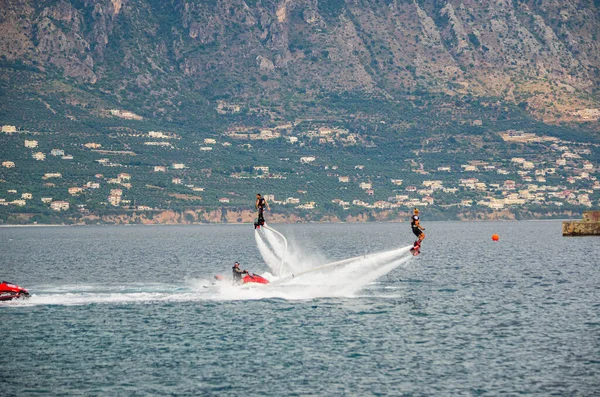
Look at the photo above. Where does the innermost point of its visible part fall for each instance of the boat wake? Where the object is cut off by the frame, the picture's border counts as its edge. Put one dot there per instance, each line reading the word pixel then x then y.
pixel 85 294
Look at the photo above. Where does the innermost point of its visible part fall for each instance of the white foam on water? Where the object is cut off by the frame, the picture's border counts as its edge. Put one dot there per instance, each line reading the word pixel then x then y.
pixel 311 280
pixel 85 294
pixel 69 299
pixel 198 283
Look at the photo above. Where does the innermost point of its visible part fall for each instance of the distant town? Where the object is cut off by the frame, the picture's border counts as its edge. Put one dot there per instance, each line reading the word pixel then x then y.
pixel 560 175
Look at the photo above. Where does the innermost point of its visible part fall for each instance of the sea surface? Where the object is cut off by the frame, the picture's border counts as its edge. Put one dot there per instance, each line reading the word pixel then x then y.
pixel 132 311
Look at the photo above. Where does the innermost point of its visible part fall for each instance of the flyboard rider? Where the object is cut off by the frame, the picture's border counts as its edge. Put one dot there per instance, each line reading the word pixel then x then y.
pixel 417 229
pixel 260 205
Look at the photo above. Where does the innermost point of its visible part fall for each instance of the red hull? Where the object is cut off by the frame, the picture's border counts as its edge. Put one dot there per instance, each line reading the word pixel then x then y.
pixel 255 278
pixel 10 291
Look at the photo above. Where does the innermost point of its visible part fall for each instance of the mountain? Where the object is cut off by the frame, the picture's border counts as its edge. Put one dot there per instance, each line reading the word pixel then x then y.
pixel 356 109
pixel 174 59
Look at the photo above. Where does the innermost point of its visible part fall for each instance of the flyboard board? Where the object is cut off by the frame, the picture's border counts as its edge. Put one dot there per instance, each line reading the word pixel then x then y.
pixel 416 249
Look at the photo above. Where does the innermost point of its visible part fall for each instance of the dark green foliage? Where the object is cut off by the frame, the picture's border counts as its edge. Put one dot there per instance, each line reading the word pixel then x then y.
pixel 474 40
pixel 331 9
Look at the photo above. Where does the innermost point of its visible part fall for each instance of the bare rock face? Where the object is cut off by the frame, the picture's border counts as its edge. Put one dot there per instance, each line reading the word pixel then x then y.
pixel 16 30
pixel 265 64
pixel 64 48
pixel 525 52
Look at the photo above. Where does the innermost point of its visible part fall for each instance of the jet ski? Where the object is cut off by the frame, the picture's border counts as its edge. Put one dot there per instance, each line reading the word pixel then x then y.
pixel 247 279
pixel 254 278
pixel 9 291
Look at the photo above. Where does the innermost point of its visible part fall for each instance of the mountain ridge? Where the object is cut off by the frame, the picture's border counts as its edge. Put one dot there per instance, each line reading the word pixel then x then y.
pixel 170 59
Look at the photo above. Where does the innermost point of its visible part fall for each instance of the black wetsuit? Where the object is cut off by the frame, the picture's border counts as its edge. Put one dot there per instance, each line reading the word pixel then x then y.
pixel 261 208
pixel 237 273
pixel 413 224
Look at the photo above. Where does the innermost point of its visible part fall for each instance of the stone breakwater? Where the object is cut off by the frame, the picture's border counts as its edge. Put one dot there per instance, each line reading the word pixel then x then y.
pixel 588 226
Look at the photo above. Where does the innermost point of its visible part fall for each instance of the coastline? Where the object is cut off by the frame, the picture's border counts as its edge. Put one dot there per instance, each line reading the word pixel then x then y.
pixel 246 217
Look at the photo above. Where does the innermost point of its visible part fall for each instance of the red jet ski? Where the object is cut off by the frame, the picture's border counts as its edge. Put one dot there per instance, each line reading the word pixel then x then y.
pixel 249 278
pixel 10 291
pixel 254 278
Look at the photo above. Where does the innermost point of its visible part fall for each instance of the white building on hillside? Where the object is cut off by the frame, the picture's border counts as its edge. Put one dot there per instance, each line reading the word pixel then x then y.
pixel 31 144
pixel 262 168
pixel 59 205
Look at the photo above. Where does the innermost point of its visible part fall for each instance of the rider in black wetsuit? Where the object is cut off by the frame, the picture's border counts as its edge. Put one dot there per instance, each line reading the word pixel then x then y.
pixel 238 273
pixel 261 203
pixel 417 229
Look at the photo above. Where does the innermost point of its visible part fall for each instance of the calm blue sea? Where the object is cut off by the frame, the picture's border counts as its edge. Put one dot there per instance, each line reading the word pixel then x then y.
pixel 130 311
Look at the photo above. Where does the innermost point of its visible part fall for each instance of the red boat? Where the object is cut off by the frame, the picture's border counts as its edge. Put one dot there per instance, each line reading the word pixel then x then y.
pixel 10 291
pixel 254 278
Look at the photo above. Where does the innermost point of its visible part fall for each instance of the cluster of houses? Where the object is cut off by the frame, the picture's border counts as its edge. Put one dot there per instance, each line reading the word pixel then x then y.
pixel 17 201
pixel 124 114
pixel 41 156
pixel 528 185
pixel 328 135
pixel 509 193
pixel 161 135
pixel 21 201
pixel 259 172
pixel 321 135
pixel 518 181
pixel 295 201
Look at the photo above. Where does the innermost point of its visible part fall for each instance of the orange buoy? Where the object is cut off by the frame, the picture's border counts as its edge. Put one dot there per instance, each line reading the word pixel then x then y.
pixel 495 237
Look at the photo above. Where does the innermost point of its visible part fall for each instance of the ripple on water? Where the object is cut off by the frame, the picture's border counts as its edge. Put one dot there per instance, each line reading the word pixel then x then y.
pixel 131 311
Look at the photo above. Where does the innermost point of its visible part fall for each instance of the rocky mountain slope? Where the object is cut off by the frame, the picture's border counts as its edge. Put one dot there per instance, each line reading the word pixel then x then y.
pixel 174 59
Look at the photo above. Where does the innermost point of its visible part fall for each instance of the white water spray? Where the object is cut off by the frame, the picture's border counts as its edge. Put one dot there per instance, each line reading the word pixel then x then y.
pixel 279 244
pixel 296 278
pixel 339 278
pixel 270 258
